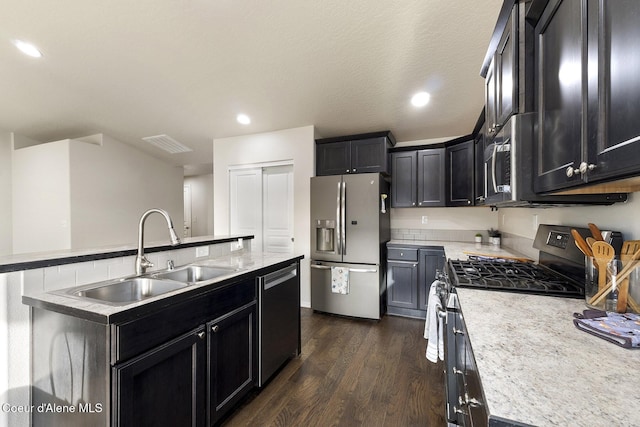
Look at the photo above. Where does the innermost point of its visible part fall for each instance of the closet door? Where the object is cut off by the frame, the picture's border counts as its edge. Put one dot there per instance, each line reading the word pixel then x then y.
pixel 245 204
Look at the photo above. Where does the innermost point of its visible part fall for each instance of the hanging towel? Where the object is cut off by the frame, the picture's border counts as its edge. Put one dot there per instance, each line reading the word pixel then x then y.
pixel 434 325
pixel 340 280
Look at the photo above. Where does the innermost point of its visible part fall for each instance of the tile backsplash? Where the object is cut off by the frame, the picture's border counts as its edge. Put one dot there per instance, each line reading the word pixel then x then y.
pixel 443 235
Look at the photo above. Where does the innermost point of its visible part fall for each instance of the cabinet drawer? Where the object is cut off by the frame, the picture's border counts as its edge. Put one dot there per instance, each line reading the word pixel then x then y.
pixel 134 337
pixel 402 254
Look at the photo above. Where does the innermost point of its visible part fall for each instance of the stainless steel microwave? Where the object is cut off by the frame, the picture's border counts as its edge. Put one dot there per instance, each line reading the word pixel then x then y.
pixel 509 166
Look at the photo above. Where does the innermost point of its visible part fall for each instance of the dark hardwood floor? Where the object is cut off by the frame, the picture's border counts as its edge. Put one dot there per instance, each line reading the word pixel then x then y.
pixel 352 372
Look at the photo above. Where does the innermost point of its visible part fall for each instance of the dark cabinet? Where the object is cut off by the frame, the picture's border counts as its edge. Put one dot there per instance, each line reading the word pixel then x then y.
pixel 410 272
pixel 418 178
pixel 614 96
pixel 480 193
pixel 560 87
pixel 231 359
pixel 193 379
pixel 164 386
pixel 431 177
pixel 404 179
pixel 369 153
pixel 430 262
pixel 460 174
pixel 501 80
pixel 587 95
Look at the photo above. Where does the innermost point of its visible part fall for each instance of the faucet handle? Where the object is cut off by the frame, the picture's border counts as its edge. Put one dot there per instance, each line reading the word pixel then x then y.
pixel 170 265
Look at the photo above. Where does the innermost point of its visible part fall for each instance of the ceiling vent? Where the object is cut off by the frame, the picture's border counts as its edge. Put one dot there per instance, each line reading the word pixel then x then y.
pixel 167 143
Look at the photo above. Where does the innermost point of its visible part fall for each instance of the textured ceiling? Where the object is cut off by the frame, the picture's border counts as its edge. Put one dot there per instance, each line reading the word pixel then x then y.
pixel 186 68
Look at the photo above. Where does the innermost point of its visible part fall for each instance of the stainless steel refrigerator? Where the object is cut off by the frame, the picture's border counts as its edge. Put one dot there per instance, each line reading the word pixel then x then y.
pixel 349 231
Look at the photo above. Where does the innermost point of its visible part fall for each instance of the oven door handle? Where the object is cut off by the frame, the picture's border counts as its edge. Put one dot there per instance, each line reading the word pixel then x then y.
pixel 493 168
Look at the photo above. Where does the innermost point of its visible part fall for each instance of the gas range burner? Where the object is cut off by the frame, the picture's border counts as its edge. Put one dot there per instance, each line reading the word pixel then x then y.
pixel 513 276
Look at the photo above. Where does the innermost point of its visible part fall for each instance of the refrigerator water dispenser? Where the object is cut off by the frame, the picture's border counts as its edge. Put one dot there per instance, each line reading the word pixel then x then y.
pixel 325 235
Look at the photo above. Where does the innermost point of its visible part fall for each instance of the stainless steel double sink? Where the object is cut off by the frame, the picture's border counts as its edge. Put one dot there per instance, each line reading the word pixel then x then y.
pixel 128 290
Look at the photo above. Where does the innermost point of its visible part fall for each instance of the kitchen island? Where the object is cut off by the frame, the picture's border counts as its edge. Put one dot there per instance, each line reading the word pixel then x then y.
pixel 537 368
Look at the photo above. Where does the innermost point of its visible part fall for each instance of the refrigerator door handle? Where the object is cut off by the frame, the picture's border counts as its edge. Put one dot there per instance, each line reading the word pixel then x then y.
pixel 363 270
pixel 343 208
pixel 320 267
pixel 338 220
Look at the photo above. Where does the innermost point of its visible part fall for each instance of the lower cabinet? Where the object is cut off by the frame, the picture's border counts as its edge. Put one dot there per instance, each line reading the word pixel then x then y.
pixel 231 359
pixel 410 272
pixel 165 386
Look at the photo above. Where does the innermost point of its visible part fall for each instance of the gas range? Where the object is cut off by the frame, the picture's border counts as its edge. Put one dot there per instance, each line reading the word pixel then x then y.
pixel 560 271
pixel 512 276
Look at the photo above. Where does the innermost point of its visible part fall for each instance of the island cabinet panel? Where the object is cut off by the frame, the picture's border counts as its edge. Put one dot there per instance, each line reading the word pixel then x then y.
pixel 165 386
pixel 231 359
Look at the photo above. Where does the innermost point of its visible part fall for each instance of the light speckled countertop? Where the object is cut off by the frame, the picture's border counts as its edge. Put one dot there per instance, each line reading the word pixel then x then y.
pixel 537 368
pixel 244 262
pixel 460 250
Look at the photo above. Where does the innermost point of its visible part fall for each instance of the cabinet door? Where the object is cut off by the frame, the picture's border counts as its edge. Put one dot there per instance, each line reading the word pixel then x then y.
pixel 232 359
pixel 614 91
pixel 431 177
pixel 460 174
pixel 431 262
pixel 369 155
pixel 333 158
pixel 165 386
pixel 560 87
pixel 490 88
pixel 506 62
pixel 479 177
pixel 403 179
pixel 402 284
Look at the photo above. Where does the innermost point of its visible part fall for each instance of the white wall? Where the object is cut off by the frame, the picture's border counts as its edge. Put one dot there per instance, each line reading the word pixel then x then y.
pixel 73 194
pixel 296 144
pixel 112 185
pixel 6 239
pixel 201 204
pixel 620 216
pixel 41 199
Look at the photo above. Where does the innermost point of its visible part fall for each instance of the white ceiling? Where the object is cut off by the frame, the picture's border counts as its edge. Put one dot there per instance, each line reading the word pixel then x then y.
pixel 186 68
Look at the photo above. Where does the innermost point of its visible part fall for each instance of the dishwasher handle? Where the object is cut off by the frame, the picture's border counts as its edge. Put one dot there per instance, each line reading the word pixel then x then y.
pixel 278 277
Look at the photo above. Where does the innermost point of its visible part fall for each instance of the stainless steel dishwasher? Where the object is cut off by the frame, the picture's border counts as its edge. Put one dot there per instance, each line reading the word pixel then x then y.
pixel 279 312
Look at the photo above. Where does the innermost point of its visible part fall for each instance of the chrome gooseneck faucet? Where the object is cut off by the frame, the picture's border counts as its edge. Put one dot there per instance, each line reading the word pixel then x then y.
pixel 142 263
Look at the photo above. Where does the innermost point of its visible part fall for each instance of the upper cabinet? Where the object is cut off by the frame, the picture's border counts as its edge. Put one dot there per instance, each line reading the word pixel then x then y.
pixel 418 178
pixel 501 82
pixel 354 154
pixel 587 89
pixel 460 174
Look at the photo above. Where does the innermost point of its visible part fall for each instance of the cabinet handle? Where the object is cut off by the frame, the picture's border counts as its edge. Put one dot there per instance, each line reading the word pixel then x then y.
pixel 468 202
pixel 570 171
pixel 584 167
pixel 201 335
pixel 215 328
pixel 460 411
pixel 353 170
pixel 458 331
pixel 457 371
pixel 347 171
pixel 413 204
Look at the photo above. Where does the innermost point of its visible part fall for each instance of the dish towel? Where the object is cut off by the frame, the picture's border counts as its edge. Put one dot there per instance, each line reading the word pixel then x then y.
pixel 434 325
pixel 340 280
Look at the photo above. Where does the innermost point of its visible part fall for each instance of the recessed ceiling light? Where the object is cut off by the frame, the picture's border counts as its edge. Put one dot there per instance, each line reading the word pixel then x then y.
pixel 243 119
pixel 27 48
pixel 420 99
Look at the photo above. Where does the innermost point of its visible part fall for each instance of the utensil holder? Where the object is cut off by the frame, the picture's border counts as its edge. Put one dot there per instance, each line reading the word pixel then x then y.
pixel 591 283
pixel 591 287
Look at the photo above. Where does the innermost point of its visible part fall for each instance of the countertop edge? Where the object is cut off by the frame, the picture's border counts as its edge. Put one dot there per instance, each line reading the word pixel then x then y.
pixel 43 260
pixel 129 312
